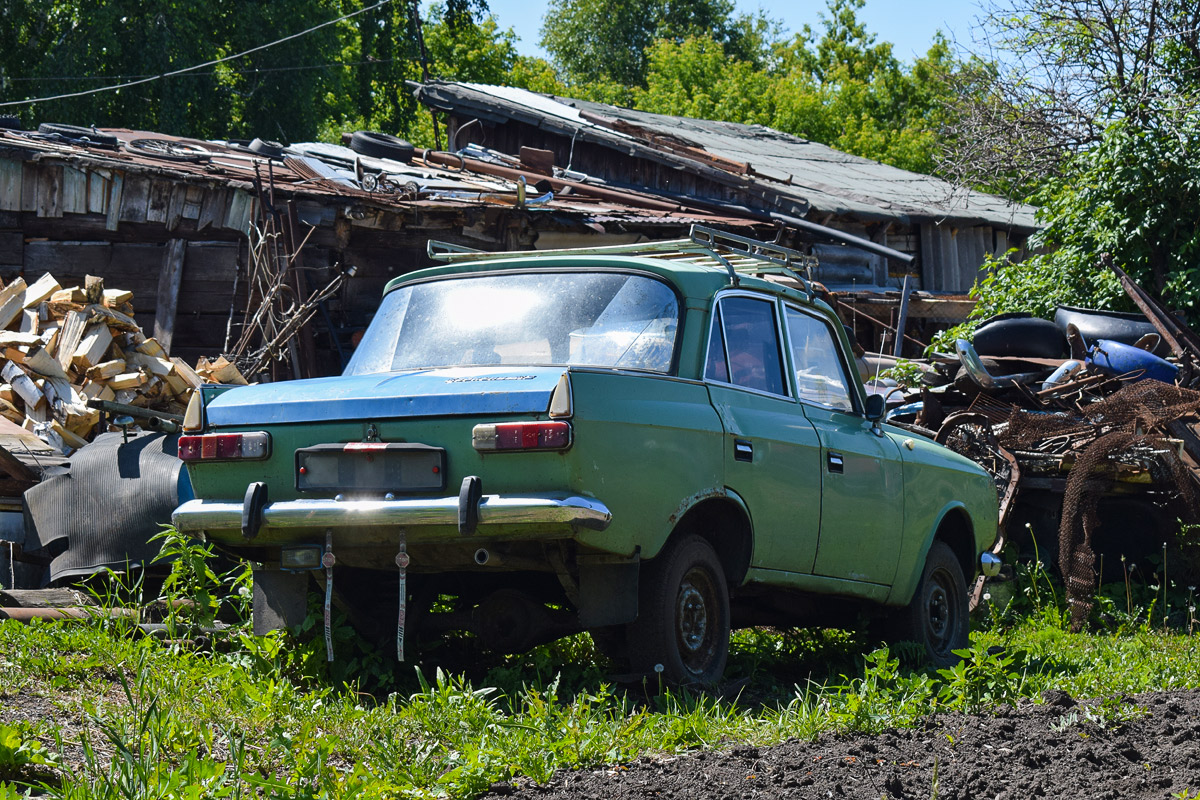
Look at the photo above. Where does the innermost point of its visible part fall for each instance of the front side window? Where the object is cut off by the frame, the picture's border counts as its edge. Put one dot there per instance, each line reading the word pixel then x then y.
pixel 750 356
pixel 820 377
pixel 602 319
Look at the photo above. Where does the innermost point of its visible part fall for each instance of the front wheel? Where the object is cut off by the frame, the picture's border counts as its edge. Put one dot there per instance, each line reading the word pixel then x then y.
pixel 937 616
pixel 683 615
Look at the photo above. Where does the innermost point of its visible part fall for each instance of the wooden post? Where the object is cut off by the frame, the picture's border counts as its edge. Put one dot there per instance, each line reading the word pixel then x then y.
pixel 902 320
pixel 168 292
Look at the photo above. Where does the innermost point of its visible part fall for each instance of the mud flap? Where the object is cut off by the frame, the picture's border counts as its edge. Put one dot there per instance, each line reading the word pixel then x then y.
pixel 280 600
pixel 608 590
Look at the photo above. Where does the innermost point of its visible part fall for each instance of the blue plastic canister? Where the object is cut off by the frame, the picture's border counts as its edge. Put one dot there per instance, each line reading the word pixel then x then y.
pixel 1115 358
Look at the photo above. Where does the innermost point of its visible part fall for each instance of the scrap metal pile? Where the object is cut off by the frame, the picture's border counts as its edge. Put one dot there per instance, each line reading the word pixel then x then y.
pixel 1089 426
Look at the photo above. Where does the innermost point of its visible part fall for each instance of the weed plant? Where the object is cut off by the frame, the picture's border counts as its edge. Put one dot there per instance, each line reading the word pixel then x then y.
pixel 129 716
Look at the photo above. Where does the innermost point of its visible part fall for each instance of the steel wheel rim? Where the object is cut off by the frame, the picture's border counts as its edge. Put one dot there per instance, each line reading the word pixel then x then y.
pixel 940 605
pixel 695 620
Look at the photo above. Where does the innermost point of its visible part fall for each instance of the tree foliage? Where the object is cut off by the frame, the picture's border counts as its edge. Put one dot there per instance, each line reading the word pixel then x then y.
pixel 351 73
pixel 837 86
pixel 1058 73
pixel 1090 112
pixel 599 41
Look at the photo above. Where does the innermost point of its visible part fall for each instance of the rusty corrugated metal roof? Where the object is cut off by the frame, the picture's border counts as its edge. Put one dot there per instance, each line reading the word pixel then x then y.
pixel 798 175
pixel 328 170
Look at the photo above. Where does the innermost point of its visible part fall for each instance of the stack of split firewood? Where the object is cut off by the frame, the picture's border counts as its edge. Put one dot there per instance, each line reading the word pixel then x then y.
pixel 61 347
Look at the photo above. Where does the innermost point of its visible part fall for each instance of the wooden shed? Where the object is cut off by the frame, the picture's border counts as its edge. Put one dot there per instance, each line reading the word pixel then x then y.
pixel 755 171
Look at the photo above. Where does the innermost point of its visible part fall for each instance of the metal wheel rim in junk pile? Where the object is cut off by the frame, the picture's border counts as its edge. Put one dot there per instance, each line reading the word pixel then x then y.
pixel 168 150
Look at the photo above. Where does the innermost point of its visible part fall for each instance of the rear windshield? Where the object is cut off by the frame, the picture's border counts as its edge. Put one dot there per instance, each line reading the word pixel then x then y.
pixel 603 319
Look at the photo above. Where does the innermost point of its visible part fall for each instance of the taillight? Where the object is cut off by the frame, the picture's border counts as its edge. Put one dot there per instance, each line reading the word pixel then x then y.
pixel 522 436
pixel 225 447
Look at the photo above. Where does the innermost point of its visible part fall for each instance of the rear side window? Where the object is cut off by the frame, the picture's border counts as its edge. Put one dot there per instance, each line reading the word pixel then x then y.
pixel 750 356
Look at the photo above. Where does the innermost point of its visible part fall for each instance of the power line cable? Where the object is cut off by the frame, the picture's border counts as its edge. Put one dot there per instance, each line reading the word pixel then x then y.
pixel 209 74
pixel 185 70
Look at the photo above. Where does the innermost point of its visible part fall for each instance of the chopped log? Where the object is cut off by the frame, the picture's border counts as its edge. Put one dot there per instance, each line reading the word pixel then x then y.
pixel 82 424
pixel 69 439
pixel 25 388
pixel 177 384
pixel 187 373
pixel 115 298
pixel 93 289
pixel 49 338
pixel 41 362
pixel 127 380
pixel 11 412
pixel 95 390
pixel 223 371
pixel 106 370
pixel 72 294
pixel 19 339
pixel 39 290
pixel 151 347
pixel 69 335
pixel 155 366
pixel 115 319
pixel 57 309
pixel 92 347
pixel 12 301
pixel 30 320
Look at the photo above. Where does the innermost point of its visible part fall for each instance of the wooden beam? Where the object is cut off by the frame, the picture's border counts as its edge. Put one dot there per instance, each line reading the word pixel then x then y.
pixel 16 468
pixel 168 292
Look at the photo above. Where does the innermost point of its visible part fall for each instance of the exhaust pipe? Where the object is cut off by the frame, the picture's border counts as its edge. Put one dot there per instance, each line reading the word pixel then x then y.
pixel 482 556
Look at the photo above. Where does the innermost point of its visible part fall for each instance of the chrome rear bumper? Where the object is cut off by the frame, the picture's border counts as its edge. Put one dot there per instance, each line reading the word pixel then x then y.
pixel 552 512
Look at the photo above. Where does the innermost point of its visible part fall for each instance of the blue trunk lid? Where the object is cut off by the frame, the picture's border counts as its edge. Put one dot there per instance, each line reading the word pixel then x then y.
pixel 455 391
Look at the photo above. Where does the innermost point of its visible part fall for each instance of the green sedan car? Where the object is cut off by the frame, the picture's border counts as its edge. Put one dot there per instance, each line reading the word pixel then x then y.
pixel 652 443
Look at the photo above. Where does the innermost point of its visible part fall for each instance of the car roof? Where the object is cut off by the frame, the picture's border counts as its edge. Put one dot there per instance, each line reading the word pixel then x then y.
pixel 697 267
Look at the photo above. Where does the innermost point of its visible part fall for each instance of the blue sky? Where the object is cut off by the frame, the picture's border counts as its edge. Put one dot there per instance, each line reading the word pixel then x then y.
pixel 907 25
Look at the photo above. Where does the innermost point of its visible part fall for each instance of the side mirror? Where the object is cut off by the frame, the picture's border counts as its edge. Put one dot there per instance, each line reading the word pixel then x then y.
pixel 876 407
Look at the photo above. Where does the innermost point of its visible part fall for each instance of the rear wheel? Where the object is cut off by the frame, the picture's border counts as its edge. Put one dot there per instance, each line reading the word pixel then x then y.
pixel 937 616
pixel 683 615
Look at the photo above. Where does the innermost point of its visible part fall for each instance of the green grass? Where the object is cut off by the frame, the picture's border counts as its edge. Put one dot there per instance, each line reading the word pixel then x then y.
pixel 119 715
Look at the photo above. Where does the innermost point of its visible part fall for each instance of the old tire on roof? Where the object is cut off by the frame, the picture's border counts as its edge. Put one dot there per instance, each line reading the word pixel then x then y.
pixel 937 616
pixel 381 145
pixel 9 122
pixel 78 133
pixel 683 615
pixel 266 147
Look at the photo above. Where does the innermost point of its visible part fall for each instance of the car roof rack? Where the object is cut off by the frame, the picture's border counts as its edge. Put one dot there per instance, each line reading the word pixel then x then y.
pixel 738 255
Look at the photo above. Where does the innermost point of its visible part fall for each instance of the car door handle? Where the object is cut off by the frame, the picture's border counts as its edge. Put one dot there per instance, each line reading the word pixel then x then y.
pixel 835 462
pixel 743 450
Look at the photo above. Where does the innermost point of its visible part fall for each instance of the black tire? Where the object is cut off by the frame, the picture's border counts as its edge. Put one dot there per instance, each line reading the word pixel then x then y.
pixel 265 147
pixel 78 133
pixel 381 145
pixel 937 617
pixel 683 615
pixel 8 122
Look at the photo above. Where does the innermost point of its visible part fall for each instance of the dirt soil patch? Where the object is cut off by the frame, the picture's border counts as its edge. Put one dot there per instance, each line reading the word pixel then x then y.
pixel 1053 749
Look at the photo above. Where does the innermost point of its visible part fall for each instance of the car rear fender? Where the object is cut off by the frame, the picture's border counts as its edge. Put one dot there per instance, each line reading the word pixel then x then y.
pixel 954 527
pixel 720 516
